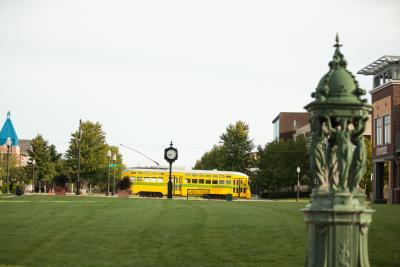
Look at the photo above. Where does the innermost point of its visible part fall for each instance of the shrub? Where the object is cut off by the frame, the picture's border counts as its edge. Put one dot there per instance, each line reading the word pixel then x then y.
pixel 124 183
pixel 19 191
pixel 4 188
pixel 60 180
pixel 278 195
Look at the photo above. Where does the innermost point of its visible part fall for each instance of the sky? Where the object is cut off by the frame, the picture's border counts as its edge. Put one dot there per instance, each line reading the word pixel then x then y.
pixel 155 71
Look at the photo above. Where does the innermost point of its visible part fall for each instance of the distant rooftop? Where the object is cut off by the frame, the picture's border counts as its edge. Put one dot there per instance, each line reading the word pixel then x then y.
pixel 379 64
pixel 285 113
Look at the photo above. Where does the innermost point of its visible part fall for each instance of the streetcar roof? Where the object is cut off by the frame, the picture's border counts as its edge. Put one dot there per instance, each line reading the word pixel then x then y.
pixel 158 169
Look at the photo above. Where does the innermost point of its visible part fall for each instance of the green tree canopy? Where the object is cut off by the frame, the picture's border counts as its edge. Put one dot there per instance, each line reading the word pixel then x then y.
pixel 278 161
pixel 94 159
pixel 47 160
pixel 213 159
pixel 235 152
pixel 93 151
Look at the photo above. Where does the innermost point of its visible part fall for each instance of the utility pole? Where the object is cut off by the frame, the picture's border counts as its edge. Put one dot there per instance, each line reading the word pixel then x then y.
pixel 78 185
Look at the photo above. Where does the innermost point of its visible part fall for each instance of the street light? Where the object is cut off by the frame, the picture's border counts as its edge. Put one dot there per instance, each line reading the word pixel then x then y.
pixel 114 160
pixel 109 155
pixel 8 143
pixel 298 182
pixel 33 176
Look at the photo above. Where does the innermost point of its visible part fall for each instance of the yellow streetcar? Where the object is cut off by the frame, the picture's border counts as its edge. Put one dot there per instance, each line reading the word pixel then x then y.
pixel 153 182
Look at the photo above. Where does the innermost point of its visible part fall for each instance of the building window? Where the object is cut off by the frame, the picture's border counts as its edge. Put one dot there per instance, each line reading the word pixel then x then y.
pixel 396 74
pixel 378 131
pixel 386 129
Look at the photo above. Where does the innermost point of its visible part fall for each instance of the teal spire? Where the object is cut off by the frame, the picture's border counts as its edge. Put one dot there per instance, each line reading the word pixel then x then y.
pixel 8 131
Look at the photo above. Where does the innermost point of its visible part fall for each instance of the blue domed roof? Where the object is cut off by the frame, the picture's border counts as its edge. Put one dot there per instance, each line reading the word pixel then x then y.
pixel 8 131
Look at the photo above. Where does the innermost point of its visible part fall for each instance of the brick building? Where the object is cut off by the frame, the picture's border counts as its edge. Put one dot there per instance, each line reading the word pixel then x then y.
pixel 385 128
pixel 286 124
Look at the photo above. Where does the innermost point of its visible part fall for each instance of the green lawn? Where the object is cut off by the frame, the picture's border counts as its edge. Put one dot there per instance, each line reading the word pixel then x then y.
pixel 84 231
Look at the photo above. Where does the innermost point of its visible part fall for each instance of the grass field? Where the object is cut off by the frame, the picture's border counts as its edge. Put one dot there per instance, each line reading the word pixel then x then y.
pixel 84 231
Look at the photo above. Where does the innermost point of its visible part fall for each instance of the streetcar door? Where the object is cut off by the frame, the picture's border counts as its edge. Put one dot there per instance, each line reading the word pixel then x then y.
pixel 235 187
pixel 239 187
pixel 177 185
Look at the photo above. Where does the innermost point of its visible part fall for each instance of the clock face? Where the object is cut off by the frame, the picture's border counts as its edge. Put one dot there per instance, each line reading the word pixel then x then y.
pixel 171 154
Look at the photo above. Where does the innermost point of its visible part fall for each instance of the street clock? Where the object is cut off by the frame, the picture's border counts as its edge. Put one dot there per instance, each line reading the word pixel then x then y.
pixel 170 154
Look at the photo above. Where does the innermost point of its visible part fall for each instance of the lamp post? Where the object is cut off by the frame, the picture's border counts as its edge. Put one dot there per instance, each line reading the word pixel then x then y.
pixel 114 160
pixel 298 182
pixel 109 155
pixel 33 175
pixel 8 143
pixel 337 216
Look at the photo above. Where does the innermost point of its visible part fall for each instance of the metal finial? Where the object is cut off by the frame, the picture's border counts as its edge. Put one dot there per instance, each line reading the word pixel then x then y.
pixel 171 143
pixel 8 114
pixel 337 45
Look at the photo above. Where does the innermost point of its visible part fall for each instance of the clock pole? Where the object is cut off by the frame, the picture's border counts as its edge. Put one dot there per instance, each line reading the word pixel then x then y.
pixel 170 155
pixel 170 181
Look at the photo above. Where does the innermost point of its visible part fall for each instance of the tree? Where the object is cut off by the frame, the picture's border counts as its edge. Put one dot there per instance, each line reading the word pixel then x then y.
pixel 94 160
pixel 93 151
pixel 235 153
pixel 12 162
pixel 278 161
pixel 366 182
pixel 101 180
pixel 237 148
pixel 213 159
pixel 46 159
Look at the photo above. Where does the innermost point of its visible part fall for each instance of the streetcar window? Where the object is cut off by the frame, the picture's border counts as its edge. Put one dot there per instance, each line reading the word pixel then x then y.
pixel 222 176
pixel 194 175
pixel 228 176
pixel 147 179
pixel 160 180
pixel 153 180
pixel 194 181
pixel 133 179
pixel 208 175
pixel 244 190
pixel 214 181
pixel 221 182
pixel 139 179
pixel 208 181
pixel 215 175
pixel 187 181
pixel 228 181
pixel 201 181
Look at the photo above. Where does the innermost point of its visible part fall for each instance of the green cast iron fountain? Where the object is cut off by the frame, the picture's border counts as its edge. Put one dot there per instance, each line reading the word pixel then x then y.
pixel 337 215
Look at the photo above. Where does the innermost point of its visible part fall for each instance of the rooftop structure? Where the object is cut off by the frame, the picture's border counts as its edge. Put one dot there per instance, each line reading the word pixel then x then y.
pixel 8 131
pixel 384 70
pixel 19 147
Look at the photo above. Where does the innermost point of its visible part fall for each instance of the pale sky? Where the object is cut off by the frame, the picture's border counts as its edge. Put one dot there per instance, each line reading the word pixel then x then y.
pixel 155 71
